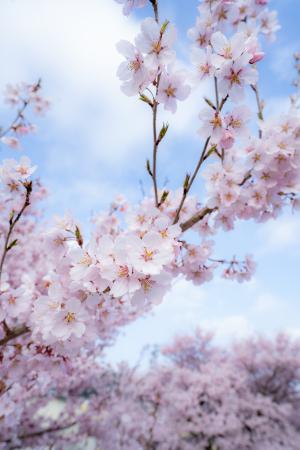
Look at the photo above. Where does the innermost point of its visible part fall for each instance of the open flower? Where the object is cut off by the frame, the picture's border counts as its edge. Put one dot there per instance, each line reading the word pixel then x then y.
pixel 172 88
pixel 70 320
pixel 129 5
pixel 156 43
pixel 132 72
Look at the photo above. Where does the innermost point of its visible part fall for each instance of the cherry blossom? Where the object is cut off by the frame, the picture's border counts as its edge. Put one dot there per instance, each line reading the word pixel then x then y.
pixel 172 88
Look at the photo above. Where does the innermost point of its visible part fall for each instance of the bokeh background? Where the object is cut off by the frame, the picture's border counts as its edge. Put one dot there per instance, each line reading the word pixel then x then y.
pixel 94 142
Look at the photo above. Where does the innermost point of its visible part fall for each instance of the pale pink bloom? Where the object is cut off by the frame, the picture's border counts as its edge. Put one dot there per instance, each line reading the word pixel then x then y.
pixel 82 261
pixel 236 121
pixel 129 5
pixel 70 320
pixel 202 60
pixel 153 289
pixel 11 142
pixel 24 169
pixel 227 49
pixel 229 195
pixel 156 45
pixel 132 72
pixel 268 23
pixel 257 196
pixel 125 281
pixel 234 76
pixel 227 140
pixel 201 33
pixel 212 124
pixel 56 242
pixel 200 274
pixel 151 253
pixel 172 88
pixel 16 302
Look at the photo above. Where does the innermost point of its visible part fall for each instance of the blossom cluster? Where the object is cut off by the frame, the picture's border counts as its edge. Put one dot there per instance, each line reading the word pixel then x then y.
pixel 149 64
pixel 22 97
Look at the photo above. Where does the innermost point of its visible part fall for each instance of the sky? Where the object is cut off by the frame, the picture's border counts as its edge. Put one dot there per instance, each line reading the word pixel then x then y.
pixel 94 142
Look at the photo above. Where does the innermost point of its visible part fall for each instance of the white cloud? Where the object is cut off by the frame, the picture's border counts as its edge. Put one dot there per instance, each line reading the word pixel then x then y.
pixel 280 234
pixel 266 303
pixel 229 327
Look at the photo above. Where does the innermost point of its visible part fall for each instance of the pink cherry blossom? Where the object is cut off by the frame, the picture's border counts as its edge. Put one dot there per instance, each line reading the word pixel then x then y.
pixel 172 88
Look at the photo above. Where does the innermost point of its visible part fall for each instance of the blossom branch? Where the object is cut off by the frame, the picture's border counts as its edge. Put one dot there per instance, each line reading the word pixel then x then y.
pixel 19 117
pixel 12 223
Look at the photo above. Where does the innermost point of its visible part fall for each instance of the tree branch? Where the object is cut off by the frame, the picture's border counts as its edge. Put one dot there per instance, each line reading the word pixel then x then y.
pixel 192 179
pixel 12 334
pixel 196 218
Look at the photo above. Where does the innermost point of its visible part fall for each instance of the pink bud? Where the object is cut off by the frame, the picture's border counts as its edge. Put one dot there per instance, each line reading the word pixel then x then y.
pixel 227 140
pixel 256 57
pixel 12 142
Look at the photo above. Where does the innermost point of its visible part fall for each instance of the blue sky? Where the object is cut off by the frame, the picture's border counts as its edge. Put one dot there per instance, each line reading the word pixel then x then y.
pixel 94 142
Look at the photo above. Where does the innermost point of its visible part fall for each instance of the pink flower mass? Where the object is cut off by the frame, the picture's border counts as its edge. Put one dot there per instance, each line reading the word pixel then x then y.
pixel 67 293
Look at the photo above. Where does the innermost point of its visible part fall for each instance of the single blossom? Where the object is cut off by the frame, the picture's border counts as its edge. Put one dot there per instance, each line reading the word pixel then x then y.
pixel 172 87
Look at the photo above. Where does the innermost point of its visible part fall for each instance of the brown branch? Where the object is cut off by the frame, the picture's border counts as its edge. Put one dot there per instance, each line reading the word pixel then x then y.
pixel 12 334
pixel 187 188
pixel 12 223
pixel 196 218
pixel 155 147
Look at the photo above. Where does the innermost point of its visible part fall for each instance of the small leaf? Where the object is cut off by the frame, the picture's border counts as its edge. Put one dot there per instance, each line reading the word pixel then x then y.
pixel 163 132
pixel 146 99
pixel 186 182
pixel 163 197
pixel 12 244
pixel 149 168
pixel 164 26
pixel 210 103
pixel 78 236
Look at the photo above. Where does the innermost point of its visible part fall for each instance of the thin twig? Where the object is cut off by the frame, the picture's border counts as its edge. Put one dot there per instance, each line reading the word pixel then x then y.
pixel 217 94
pixel 259 107
pixel 192 179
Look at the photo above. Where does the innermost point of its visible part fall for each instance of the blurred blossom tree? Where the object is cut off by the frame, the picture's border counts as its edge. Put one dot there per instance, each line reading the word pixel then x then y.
pixel 64 297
